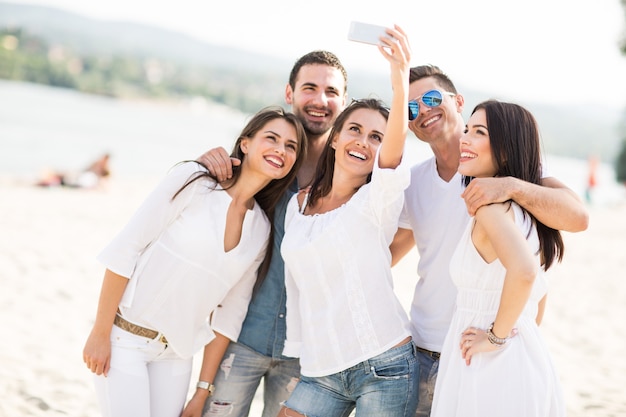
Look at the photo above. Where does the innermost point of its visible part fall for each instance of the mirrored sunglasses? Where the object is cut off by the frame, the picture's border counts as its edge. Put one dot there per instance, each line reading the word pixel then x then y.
pixel 432 98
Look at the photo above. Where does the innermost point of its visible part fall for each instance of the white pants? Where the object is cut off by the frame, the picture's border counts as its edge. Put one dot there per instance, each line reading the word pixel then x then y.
pixel 146 379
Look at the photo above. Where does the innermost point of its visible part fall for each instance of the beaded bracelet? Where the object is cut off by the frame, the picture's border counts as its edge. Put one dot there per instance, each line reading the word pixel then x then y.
pixel 493 339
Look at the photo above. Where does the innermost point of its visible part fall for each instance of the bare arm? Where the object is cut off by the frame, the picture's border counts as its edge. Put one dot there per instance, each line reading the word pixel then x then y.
pixel 402 244
pixel 399 59
pixel 552 203
pixel 97 350
pixel 219 163
pixel 496 236
pixel 213 354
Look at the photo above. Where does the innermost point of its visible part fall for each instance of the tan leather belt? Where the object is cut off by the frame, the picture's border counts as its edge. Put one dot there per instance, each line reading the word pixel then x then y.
pixel 124 324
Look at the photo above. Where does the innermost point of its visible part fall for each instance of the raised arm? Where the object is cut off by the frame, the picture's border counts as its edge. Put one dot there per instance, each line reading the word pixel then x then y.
pixel 552 203
pixel 398 52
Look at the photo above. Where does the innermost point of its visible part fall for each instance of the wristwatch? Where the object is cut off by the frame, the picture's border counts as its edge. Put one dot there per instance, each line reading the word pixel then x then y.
pixel 207 386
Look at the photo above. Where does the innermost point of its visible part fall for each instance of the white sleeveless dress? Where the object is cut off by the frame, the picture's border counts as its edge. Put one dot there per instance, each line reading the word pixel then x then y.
pixel 516 380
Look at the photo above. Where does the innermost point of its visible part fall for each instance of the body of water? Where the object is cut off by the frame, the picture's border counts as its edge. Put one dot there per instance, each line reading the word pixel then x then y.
pixel 45 127
pixel 42 126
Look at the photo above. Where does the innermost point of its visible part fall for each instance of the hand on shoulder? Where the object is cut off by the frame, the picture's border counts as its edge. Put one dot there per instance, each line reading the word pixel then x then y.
pixel 484 191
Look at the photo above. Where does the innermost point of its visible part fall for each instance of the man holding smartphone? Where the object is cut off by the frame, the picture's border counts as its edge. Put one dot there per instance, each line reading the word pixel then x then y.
pixel 317 92
pixel 437 208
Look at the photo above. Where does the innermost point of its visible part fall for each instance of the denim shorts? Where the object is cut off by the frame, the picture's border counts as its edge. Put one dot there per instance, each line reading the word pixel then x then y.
pixel 383 386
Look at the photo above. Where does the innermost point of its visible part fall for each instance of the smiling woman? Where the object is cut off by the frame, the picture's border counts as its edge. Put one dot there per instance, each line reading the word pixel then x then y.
pixel 194 242
pixel 501 295
pixel 336 253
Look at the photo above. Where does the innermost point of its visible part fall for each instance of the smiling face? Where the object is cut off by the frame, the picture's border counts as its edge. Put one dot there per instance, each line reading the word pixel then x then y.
pixel 317 97
pixel 436 123
pixel 476 155
pixel 272 151
pixel 358 140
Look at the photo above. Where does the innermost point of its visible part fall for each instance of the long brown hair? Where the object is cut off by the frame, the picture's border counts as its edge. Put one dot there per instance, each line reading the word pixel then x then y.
pixel 268 196
pixel 323 181
pixel 516 148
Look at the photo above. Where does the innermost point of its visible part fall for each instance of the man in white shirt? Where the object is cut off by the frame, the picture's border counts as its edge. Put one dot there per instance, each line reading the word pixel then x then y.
pixel 437 209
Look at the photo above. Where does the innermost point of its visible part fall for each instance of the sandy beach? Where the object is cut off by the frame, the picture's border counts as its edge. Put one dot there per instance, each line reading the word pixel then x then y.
pixel 50 282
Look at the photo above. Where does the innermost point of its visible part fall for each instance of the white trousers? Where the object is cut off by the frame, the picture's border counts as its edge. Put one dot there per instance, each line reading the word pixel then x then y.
pixel 146 379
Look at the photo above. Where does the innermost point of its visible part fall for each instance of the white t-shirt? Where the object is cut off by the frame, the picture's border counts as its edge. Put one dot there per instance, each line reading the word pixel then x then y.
pixel 341 307
pixel 173 253
pixel 437 215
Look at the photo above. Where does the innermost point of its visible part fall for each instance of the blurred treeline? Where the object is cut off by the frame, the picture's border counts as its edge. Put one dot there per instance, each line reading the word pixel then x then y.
pixel 30 58
pixel 620 161
pixel 129 60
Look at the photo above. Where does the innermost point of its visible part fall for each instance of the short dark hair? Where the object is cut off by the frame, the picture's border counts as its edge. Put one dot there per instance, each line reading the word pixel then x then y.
pixel 318 57
pixel 425 71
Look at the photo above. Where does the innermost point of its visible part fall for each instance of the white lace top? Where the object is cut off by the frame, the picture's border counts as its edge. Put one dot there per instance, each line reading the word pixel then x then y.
pixel 341 307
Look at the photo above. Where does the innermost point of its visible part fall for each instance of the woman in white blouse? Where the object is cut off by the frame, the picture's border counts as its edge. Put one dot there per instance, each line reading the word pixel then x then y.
pixel 191 252
pixel 344 321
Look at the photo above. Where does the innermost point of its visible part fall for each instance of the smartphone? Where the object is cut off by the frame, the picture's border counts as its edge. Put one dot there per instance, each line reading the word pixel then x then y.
pixel 366 33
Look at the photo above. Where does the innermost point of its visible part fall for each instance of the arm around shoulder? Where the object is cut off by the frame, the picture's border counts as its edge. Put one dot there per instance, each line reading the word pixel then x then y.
pixel 552 203
pixel 559 207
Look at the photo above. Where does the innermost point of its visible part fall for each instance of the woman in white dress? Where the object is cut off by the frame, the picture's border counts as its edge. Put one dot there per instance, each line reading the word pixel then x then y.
pixel 191 251
pixel 344 321
pixel 494 360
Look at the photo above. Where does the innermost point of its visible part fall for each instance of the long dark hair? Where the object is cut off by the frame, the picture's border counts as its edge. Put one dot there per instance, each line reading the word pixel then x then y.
pixel 268 196
pixel 516 150
pixel 323 181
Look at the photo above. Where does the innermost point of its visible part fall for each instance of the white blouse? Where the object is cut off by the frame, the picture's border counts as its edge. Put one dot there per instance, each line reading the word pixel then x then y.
pixel 341 306
pixel 173 253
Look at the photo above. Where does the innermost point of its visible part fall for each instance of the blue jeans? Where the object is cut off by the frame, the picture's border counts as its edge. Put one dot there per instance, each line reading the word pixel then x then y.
pixel 429 366
pixel 383 386
pixel 239 376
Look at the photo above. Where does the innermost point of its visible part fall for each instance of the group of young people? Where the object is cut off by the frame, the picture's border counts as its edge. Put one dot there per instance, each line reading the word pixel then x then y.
pixel 276 260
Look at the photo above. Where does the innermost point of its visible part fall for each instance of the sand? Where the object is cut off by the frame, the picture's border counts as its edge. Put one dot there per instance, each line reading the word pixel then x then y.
pixel 50 282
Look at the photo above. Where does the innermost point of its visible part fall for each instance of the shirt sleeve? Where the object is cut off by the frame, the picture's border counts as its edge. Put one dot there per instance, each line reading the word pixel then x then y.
pixel 405 219
pixel 150 220
pixel 386 196
pixel 229 315
pixel 293 342
pixel 545 171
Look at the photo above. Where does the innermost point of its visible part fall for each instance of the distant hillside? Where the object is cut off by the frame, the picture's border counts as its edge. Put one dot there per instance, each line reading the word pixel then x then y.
pixel 101 37
pixel 244 79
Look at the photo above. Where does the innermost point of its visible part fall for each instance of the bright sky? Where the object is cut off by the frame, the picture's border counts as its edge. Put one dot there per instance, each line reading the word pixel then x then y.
pixel 555 51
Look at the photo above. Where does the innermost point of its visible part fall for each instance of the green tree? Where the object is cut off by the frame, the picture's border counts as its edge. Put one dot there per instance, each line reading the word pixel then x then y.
pixel 623 43
pixel 25 57
pixel 620 162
